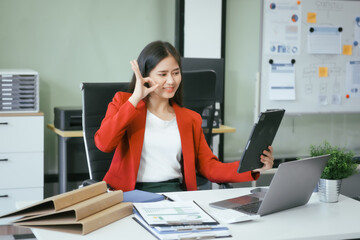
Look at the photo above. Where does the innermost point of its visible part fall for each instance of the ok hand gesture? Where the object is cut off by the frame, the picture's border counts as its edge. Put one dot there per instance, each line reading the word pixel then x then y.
pixel 140 91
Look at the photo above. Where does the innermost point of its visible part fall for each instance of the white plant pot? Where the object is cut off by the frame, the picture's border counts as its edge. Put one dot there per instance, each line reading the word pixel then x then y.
pixel 329 190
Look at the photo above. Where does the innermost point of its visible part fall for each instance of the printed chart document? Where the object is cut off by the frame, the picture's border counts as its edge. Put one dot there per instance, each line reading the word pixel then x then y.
pixel 185 231
pixel 282 28
pixel 353 79
pixel 178 220
pixel 173 213
pixel 324 40
pixel 282 81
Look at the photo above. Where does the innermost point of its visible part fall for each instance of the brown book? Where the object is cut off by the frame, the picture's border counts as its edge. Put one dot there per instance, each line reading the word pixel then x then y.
pixel 68 223
pixel 61 201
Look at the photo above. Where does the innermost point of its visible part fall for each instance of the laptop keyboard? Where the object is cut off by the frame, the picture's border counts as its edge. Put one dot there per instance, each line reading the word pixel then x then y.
pixel 251 208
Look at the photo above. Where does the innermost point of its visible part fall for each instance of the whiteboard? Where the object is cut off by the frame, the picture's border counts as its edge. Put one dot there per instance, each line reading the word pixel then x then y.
pixel 310 56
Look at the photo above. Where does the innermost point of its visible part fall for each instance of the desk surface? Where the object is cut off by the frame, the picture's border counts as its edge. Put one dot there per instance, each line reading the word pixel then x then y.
pixel 315 220
pixel 79 133
pixel 24 114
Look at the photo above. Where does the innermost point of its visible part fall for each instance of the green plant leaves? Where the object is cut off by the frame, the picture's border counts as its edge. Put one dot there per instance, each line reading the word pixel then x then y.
pixel 340 165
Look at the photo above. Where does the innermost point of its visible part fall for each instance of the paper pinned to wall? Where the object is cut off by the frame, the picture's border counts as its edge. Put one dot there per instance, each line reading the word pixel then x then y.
pixel 357 31
pixel 282 81
pixel 324 40
pixel 283 28
pixel 353 79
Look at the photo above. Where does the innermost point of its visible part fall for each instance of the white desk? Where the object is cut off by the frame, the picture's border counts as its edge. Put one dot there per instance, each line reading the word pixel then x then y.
pixel 316 220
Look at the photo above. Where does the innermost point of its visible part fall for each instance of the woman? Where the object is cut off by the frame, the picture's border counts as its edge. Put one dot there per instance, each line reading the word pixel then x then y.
pixel 159 145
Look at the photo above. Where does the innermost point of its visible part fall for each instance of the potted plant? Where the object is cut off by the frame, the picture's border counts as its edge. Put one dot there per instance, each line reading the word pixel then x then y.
pixel 340 165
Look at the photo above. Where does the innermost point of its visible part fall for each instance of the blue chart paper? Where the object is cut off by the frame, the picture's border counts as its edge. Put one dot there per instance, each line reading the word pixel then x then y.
pixel 137 196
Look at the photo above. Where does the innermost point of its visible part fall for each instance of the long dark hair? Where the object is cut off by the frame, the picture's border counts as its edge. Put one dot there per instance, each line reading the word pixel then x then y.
pixel 150 56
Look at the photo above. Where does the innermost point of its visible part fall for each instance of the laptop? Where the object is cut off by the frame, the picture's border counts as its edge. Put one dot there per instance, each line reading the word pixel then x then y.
pixel 291 186
pixel 261 137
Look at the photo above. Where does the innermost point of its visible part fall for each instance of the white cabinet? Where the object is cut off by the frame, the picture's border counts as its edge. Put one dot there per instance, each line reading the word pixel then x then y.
pixel 21 160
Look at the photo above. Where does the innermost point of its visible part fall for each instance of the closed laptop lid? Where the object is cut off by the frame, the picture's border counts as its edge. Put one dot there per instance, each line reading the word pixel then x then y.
pixel 293 184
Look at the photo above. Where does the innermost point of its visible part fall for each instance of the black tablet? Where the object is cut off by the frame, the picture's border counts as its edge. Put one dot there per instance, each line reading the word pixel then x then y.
pixel 262 136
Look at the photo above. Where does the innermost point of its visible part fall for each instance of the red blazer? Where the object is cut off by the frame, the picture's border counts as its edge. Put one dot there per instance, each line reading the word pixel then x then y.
pixel 123 129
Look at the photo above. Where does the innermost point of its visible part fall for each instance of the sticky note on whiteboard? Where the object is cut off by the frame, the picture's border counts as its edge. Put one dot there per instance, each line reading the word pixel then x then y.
pixel 311 17
pixel 323 72
pixel 347 49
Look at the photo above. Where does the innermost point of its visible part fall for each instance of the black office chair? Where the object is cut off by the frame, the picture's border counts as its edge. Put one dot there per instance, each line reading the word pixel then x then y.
pixel 96 97
pixel 199 89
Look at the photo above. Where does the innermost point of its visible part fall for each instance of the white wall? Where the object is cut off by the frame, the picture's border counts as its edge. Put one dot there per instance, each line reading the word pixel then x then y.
pixel 202 28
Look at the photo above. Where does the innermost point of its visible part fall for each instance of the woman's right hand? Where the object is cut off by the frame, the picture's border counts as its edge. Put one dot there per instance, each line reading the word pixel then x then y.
pixel 267 159
pixel 140 91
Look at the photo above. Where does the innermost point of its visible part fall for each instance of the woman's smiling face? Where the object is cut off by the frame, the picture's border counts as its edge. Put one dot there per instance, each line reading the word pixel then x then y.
pixel 167 74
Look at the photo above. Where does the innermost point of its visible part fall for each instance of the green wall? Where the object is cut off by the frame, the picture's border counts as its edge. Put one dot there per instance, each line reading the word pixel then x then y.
pixel 241 64
pixel 72 41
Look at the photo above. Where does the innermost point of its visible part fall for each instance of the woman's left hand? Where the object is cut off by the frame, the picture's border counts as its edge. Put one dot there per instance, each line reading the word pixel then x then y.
pixel 267 159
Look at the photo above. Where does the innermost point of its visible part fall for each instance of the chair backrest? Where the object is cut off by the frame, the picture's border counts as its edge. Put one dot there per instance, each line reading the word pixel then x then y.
pixel 199 88
pixel 95 99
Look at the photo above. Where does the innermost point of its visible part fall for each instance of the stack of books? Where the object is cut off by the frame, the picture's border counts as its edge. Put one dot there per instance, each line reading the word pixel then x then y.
pixel 79 211
pixel 178 220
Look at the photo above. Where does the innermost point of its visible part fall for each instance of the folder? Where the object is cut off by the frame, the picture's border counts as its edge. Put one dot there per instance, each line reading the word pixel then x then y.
pixel 80 210
pixel 142 196
pixel 86 225
pixel 61 201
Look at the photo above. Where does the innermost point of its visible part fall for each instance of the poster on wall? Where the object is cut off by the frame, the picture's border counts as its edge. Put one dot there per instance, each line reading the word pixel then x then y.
pixel 282 81
pixel 353 79
pixel 283 27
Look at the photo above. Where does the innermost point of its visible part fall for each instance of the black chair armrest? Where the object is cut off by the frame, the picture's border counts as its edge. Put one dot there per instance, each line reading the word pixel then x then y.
pixel 88 182
pixel 225 185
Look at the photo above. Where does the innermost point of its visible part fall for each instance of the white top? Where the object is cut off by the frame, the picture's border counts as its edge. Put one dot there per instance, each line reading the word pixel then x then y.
pixel 161 152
